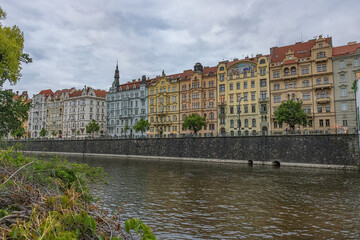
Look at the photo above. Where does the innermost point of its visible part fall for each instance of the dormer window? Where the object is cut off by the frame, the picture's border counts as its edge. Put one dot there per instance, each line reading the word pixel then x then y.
pixel 289 57
pixel 127 87
pixel 221 68
pixel 134 87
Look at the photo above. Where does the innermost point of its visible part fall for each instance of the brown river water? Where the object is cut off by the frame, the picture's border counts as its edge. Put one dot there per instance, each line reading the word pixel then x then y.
pixel 185 200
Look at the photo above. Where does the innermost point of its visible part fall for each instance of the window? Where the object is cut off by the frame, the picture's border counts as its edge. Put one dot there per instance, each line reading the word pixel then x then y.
pixel 183 98
pixel 319 67
pixel 204 94
pixel 211 94
pixel 342 77
pixel 293 71
pixel 253 122
pixel 252 96
pixel 326 80
pixel 343 92
pixel 277 99
pixel 237 85
pixel 246 108
pixel 324 67
pixel 252 84
pixel 286 72
pixel 245 97
pixel 184 107
pixel 307 109
pixel 231 110
pixel 305 70
pixel 306 96
pixel 245 74
pixel 263 95
pixel 275 125
pixel 253 108
pixel 344 106
pixel 262 82
pixel 327 122
pixel 221 77
pixel 327 108
pixel 211 83
pixel 238 97
pixel 262 71
pixel 276 74
pixel 246 123
pixel 305 83
pixel 277 86
pixel 262 61
pixel 319 109
pixel 222 88
pixel 318 81
pixel 321 55
pixel 245 85
pixel 321 122
pixel 342 64
pixel 204 84
pixel 231 98
pixel 221 68
pixel 231 87
pixel 345 122
pixel 232 123
pixel 356 62
pixel 252 73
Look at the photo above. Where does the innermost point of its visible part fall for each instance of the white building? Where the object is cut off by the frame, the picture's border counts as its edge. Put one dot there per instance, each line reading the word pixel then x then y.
pixel 38 113
pixel 80 108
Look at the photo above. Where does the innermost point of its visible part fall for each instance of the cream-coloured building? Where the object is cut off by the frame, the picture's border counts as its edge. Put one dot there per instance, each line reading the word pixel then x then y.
pixel 346 63
pixel 303 71
pixel 243 96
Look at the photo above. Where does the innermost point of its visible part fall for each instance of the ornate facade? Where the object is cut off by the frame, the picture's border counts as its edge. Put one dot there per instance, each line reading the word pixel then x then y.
pixel 126 104
pixel 303 71
pixel 163 108
pixel 198 95
pixel 243 96
pixel 38 113
pixel 346 63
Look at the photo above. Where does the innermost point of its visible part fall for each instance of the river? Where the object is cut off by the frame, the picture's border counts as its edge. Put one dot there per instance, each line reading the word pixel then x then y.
pixel 185 200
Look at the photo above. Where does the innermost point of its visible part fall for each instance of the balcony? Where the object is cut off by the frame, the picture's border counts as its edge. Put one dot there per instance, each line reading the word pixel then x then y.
pixel 323 86
pixel 264 99
pixel 323 100
pixel 290 76
pixel 264 124
pixel 321 59
pixel 222 115
pixel 221 103
pixel 263 111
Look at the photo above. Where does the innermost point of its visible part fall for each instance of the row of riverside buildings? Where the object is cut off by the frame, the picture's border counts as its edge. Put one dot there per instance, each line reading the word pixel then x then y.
pixel 237 97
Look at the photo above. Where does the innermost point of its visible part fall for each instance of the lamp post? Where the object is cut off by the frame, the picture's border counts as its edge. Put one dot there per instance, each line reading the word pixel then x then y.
pixel 239 112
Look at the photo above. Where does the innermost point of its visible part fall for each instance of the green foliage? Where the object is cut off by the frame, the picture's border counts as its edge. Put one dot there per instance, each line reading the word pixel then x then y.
pixel 12 112
pixel 78 132
pixel 92 127
pixel 11 52
pixel 194 122
pixel 126 128
pixel 292 113
pixel 142 125
pixel 53 133
pixel 18 133
pixel 43 132
pixel 140 228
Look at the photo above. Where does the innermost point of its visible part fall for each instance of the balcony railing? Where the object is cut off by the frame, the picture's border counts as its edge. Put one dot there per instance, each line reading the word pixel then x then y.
pixel 323 86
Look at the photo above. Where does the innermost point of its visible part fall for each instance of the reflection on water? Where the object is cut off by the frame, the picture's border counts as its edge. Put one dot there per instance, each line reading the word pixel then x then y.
pixel 215 201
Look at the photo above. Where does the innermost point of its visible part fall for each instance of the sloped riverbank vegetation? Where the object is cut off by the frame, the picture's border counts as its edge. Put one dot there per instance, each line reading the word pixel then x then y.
pixel 49 199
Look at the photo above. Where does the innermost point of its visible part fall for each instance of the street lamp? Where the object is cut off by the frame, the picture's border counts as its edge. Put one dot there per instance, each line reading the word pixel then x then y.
pixel 238 112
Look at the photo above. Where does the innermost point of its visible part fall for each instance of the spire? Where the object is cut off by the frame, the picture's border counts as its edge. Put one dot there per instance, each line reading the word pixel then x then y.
pixel 116 82
pixel 163 73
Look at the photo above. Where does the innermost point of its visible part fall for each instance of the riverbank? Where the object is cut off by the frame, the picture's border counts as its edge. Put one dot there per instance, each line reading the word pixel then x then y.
pixel 307 150
pixel 49 199
pixel 183 159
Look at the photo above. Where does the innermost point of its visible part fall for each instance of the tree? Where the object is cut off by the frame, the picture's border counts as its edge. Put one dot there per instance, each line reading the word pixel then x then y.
pixel 18 133
pixel 292 113
pixel 92 127
pixel 78 132
pixel 43 132
pixel 194 122
pixel 126 128
pixel 142 125
pixel 11 52
pixel 12 112
pixel 53 133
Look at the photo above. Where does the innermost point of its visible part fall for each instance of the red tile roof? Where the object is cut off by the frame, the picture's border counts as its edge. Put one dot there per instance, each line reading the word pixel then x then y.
pixel 301 50
pixel 289 62
pixel 76 93
pixel 46 92
pixel 130 84
pixel 346 49
pixel 208 70
pixel 100 93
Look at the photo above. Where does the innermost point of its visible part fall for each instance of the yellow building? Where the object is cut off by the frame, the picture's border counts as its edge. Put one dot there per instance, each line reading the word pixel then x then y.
pixel 243 96
pixel 163 106
pixel 198 95
pixel 303 71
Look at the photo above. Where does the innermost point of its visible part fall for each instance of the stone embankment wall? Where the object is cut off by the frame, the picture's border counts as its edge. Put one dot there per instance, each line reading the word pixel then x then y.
pixel 308 149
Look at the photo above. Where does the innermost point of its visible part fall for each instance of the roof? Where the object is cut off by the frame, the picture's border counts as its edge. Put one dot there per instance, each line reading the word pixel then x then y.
pixel 100 93
pixel 46 92
pixel 301 50
pixel 208 70
pixel 345 50
pixel 59 92
pixel 130 84
pixel 76 93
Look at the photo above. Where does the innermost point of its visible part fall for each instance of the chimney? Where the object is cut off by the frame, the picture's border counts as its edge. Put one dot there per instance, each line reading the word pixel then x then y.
pixel 258 55
pixel 17 93
pixel 272 50
pixel 133 80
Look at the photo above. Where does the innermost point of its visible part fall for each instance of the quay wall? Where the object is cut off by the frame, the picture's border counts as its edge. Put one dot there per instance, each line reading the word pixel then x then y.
pixel 339 149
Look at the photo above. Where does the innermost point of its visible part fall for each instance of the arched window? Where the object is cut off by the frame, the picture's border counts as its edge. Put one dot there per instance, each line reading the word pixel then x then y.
pixel 246 122
pixel 286 72
pixel 293 70
pixel 262 61
pixel 221 68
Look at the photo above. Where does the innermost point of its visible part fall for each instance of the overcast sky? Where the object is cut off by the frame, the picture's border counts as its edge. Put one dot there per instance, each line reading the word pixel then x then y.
pixel 77 42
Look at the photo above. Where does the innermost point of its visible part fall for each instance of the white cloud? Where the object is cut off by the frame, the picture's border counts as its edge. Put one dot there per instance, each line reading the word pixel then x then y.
pixel 77 43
